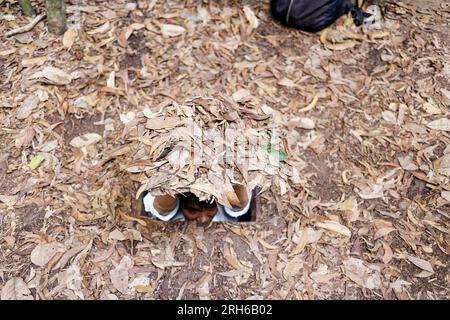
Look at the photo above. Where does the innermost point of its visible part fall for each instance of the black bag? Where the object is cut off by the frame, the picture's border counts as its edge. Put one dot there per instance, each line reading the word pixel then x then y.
pixel 308 15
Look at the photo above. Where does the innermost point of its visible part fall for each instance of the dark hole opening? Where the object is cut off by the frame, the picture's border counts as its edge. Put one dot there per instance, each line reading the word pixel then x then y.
pixel 189 202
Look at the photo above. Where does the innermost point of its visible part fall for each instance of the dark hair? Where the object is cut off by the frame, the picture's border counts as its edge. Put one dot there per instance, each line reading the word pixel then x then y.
pixel 190 200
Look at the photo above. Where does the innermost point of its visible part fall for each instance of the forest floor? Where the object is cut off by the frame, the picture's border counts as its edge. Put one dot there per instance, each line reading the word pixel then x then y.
pixel 369 219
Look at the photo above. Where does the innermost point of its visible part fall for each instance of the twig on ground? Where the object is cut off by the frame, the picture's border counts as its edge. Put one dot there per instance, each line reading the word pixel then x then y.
pixel 27 27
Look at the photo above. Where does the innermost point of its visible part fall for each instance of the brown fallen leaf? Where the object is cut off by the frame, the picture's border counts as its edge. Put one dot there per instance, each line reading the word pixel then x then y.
pixel 347 44
pixel 230 256
pixel 119 275
pixel 31 62
pixel 73 280
pixel 357 271
pixel 322 274
pixel 446 195
pixel 171 30
pixel 68 255
pixel 202 287
pixel 303 240
pixel 267 245
pixel 388 254
pixel 55 76
pixel 251 17
pixel 130 218
pixel 335 227
pixel 311 105
pixel 116 235
pixel 382 228
pixel 101 29
pixel 141 284
pixel 16 289
pixel 27 107
pixel 9 200
pixel 442 124
pixel 407 163
pixel 105 255
pixel 241 95
pixel 69 37
pixel 293 267
pixel 43 253
pixel 422 264
pixel 163 123
pixel 85 140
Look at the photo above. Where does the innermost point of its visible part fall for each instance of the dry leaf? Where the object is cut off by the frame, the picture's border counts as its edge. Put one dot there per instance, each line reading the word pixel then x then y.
pixel 311 105
pixel 111 82
pixel 202 287
pixel 16 289
pixel 69 37
pixel 31 62
pixel 336 46
pixel 102 29
pixel 9 200
pixel 68 255
pixel 303 240
pixel 171 30
pixel 73 280
pixel 119 275
pixel 445 195
pixel 166 259
pixel 7 52
pixel 422 264
pixel 350 208
pixel 287 83
pixel 267 245
pixel 407 163
pixel 241 95
pixel 335 227
pixel 398 285
pixel 42 253
pixel 251 17
pixel 56 76
pixel 431 108
pixel 105 255
pixel 293 267
pixel 163 123
pixel 357 271
pixel 85 140
pixel 141 284
pixel 116 235
pixel 27 107
pixel 389 116
pixel 230 256
pixel 371 192
pixel 304 123
pixel 322 274
pixel 266 109
pixel 388 254
pixel 442 124
pixel 48 146
pixel 382 228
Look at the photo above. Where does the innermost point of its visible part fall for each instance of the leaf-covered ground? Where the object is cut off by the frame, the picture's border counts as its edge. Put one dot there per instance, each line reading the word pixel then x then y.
pixel 368 219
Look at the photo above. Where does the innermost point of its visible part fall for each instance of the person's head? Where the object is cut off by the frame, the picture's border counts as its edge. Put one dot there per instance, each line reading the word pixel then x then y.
pixel 195 210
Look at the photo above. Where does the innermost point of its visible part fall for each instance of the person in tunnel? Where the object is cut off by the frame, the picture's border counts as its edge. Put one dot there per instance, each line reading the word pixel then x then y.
pixel 187 207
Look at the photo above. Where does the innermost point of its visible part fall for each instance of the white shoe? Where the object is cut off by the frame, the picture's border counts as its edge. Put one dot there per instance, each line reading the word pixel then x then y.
pixel 150 209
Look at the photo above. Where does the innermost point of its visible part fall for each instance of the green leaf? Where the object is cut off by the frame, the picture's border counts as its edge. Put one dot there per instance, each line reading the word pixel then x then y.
pixel 35 162
pixel 280 155
pixel 348 22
